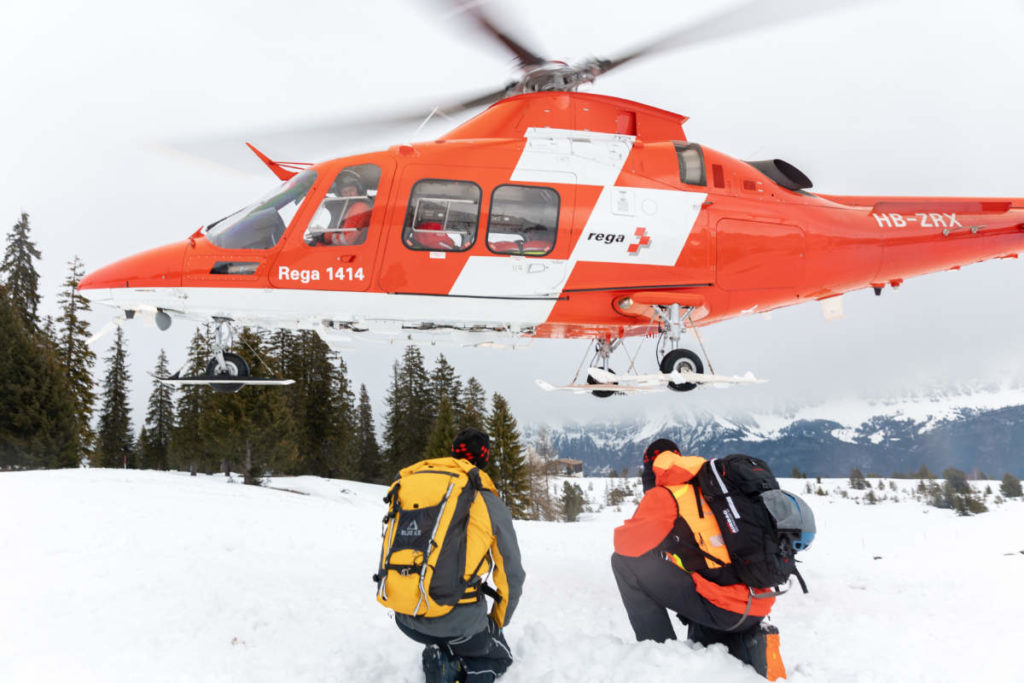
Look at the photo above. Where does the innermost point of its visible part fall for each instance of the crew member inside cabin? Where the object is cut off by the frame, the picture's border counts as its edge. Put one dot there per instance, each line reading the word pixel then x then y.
pixel 344 216
pixel 660 554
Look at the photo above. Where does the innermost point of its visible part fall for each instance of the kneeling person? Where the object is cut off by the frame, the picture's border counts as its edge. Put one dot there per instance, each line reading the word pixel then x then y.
pixel 671 556
pixel 447 533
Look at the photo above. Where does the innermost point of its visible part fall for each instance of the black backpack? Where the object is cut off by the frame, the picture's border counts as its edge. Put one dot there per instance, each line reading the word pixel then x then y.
pixel 762 556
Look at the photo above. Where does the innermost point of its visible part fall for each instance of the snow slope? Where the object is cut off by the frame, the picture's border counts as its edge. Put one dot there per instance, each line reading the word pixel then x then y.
pixel 110 575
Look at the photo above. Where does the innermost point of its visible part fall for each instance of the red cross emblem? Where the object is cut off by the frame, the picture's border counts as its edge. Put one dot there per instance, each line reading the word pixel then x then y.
pixel 642 240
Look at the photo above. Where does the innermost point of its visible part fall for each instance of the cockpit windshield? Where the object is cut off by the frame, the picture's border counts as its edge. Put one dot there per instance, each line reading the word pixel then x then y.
pixel 261 225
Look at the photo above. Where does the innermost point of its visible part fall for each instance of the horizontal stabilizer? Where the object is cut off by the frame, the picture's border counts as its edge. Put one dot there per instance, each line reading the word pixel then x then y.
pixel 912 205
pixel 909 206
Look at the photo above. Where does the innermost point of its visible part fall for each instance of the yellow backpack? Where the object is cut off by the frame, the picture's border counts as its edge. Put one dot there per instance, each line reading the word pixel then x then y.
pixel 437 538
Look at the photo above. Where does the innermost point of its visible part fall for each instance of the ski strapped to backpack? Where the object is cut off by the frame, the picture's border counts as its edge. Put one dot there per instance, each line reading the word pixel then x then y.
pixel 436 541
pixel 745 499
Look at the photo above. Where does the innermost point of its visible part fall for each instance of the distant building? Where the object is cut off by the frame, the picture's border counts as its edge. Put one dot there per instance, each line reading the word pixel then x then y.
pixel 566 467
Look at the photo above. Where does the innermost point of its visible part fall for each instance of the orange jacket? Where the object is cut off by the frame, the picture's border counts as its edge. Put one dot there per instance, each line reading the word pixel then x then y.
pixel 654 519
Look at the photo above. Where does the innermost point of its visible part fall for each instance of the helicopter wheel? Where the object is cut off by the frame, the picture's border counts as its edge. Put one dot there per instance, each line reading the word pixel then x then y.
pixel 684 360
pixel 234 366
pixel 601 393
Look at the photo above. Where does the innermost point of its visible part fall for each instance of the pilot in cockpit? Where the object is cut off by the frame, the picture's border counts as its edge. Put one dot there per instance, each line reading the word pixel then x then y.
pixel 346 211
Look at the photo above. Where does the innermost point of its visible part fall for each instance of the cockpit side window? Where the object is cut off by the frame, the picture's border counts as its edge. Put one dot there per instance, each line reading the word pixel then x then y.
pixel 442 216
pixel 691 164
pixel 261 225
pixel 524 220
pixel 343 217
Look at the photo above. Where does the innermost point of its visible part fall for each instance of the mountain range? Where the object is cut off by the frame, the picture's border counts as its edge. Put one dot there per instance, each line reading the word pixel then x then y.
pixel 978 431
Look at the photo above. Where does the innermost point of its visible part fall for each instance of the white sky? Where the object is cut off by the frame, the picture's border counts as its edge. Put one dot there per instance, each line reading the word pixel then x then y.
pixel 900 97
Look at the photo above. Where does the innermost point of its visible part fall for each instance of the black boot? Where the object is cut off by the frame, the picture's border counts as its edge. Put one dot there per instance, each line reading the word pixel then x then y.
pixel 440 665
pixel 759 647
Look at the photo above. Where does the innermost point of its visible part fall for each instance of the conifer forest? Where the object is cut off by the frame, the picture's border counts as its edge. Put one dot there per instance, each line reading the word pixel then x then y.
pixel 64 404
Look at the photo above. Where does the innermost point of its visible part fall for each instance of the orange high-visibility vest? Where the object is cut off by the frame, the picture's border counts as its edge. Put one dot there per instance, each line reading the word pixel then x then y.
pixel 738 597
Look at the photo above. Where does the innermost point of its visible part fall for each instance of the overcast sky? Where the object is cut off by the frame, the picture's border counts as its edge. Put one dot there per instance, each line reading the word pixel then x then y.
pixel 898 97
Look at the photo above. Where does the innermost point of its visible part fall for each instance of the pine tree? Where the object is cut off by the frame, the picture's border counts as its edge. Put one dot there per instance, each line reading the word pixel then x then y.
pixel 439 445
pixel 155 439
pixel 188 449
pixel 392 424
pixel 252 430
pixel 444 383
pixel 473 406
pixel 408 420
pixel 115 444
pixel 957 480
pixel 20 277
pixel 74 354
pixel 37 416
pixel 345 431
pixel 508 467
pixel 49 331
pixel 572 501
pixel 321 406
pixel 367 452
pixel 857 480
pixel 1010 486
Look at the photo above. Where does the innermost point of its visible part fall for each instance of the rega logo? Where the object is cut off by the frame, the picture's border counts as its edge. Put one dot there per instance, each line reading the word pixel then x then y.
pixel 606 237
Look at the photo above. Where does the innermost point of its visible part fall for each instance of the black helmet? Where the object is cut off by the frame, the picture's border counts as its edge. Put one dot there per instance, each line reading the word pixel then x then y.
pixel 473 445
pixel 657 446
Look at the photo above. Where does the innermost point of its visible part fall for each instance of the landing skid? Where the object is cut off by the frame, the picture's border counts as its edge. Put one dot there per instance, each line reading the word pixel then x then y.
pixel 590 388
pixel 660 380
pixel 631 384
pixel 175 380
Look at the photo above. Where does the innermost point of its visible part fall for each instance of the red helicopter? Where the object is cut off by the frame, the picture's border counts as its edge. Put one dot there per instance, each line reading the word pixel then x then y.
pixel 554 214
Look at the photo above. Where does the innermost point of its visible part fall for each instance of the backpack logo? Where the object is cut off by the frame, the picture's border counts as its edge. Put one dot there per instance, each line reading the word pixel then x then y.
pixel 412 530
pixel 730 522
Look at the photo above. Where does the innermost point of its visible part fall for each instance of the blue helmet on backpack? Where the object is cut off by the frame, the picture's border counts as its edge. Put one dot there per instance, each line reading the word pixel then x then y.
pixel 792 516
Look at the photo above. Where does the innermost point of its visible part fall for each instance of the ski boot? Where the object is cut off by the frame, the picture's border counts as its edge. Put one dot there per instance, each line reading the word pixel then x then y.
pixel 440 665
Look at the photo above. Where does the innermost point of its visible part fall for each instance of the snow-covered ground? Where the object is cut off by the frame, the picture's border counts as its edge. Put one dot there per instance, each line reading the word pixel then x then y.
pixel 109 575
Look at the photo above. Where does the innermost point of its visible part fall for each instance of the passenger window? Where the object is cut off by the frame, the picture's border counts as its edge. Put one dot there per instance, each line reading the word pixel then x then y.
pixel 691 164
pixel 442 215
pixel 524 220
pixel 343 218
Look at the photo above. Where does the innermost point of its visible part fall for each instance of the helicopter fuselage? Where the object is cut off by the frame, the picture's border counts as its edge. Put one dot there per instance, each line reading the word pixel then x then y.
pixel 561 215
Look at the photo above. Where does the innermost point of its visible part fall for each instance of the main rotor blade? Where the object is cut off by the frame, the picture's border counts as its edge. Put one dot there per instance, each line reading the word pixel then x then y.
pixel 472 8
pixel 354 128
pixel 315 141
pixel 748 16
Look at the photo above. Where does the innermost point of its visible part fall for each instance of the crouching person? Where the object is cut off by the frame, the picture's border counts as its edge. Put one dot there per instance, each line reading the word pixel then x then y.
pixel 671 555
pixel 447 537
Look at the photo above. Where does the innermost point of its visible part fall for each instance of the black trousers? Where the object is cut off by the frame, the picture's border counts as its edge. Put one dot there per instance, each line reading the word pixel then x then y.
pixel 484 655
pixel 651 586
